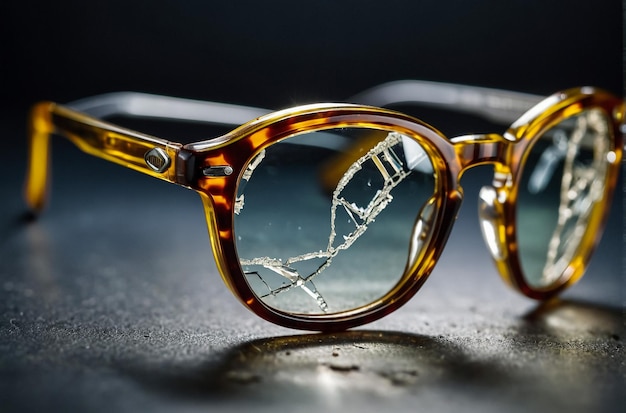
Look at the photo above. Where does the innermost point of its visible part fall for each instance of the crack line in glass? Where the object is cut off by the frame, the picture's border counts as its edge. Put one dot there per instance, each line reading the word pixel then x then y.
pixel 393 171
pixel 582 186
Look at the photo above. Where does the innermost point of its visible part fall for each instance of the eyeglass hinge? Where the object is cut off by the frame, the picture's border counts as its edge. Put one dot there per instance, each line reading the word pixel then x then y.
pixel 188 171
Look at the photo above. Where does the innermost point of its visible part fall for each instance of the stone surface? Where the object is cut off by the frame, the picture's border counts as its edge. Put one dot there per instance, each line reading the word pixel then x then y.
pixel 110 301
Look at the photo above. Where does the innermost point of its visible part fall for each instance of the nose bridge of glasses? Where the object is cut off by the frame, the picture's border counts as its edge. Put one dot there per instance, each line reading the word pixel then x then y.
pixel 474 150
pixel 488 149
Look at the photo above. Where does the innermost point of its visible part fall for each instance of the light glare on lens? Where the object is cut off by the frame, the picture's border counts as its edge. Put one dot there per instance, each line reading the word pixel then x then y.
pixel 611 157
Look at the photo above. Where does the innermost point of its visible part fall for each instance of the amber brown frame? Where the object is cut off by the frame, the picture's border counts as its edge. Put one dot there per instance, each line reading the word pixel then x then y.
pixel 192 165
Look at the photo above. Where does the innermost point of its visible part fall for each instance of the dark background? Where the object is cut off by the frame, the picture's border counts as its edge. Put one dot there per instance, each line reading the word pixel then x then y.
pixel 280 53
pixel 110 301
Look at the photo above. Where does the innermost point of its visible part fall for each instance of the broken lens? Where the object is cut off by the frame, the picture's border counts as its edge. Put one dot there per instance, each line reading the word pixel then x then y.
pixel 563 179
pixel 325 221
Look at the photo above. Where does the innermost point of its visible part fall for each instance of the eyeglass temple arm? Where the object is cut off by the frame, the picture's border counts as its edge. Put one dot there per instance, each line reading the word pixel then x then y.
pixel 493 104
pixel 144 105
pixel 77 122
pixel 497 105
pixel 96 137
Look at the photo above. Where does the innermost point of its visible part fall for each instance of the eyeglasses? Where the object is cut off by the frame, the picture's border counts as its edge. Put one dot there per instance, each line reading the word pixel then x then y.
pixel 328 216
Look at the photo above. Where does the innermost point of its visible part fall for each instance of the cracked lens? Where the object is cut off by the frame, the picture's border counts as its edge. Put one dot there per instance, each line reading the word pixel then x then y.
pixel 310 246
pixel 566 175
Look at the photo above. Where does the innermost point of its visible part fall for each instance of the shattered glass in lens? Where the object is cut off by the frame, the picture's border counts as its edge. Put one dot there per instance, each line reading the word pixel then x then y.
pixel 309 248
pixel 564 178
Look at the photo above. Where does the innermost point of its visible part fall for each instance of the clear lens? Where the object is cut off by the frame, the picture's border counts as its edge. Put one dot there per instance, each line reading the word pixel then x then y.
pixel 563 179
pixel 328 221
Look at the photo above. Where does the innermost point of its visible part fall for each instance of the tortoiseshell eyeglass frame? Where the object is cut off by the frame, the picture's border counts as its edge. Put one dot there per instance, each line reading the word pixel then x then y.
pixel 213 168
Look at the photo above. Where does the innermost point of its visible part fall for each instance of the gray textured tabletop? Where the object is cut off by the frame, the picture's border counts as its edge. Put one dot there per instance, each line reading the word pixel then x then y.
pixel 111 301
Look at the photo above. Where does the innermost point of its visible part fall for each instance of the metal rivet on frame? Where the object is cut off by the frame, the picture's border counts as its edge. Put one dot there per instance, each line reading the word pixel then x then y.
pixel 157 159
pixel 219 170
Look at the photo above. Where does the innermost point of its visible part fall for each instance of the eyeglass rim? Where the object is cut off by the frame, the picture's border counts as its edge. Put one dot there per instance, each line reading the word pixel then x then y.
pixel 299 120
pixel 48 118
pixel 524 134
pixel 527 131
